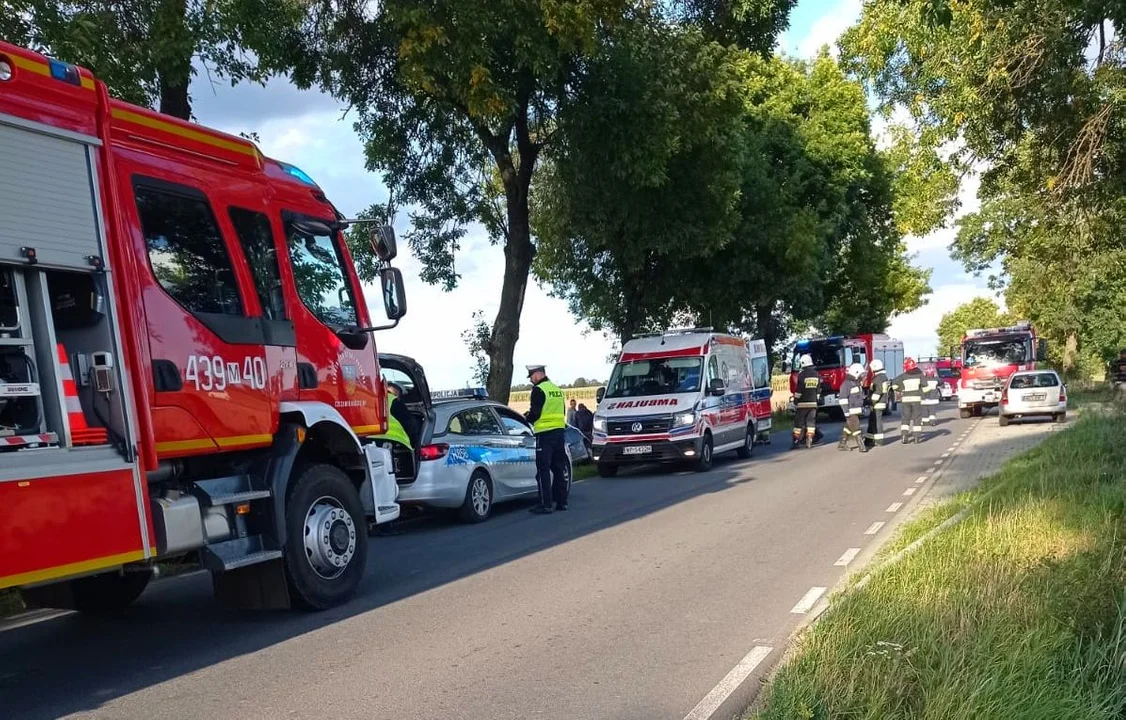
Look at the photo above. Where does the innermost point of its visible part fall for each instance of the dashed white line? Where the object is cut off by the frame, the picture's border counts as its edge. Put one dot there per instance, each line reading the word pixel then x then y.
pixel 920 480
pixel 874 528
pixel 808 601
pixel 910 491
pixel 849 556
pixel 938 462
pixel 946 454
pixel 729 683
pixel 894 507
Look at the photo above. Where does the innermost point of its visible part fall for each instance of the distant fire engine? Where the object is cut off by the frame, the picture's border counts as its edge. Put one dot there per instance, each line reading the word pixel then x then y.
pixel 989 357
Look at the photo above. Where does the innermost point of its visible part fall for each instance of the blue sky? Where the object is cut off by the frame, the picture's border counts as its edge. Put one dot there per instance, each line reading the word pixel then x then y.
pixel 309 129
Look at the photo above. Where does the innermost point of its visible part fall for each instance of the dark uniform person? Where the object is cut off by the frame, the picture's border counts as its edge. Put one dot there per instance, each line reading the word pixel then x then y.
pixel 931 398
pixel 548 415
pixel 805 403
pixel 1117 372
pixel 879 389
pixel 909 387
pixel 851 399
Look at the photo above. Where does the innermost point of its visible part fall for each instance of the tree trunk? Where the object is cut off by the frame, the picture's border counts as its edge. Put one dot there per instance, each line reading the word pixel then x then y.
pixel 175 74
pixel 1070 351
pixel 506 328
pixel 764 321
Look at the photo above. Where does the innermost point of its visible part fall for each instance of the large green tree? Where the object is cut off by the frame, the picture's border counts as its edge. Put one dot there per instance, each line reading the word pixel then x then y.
pixel 147 51
pixel 457 103
pixel 980 312
pixel 1032 91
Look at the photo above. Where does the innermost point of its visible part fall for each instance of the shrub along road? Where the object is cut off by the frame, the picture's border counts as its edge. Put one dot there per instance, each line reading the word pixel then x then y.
pixel 634 604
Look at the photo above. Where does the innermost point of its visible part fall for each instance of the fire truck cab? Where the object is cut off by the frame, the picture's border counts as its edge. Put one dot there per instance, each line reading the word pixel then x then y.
pixel 833 355
pixel 988 357
pixel 186 358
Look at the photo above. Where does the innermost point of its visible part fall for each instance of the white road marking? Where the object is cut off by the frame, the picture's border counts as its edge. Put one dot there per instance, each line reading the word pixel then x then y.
pixel 894 507
pixel 910 491
pixel 729 683
pixel 808 601
pixel 874 528
pixel 946 454
pixel 849 556
pixel 938 462
pixel 920 480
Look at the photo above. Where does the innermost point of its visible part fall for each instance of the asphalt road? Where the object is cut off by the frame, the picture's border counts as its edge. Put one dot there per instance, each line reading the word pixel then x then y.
pixel 634 604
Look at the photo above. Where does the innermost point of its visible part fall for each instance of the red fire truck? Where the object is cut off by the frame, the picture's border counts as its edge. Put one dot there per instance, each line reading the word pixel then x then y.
pixel 989 357
pixel 833 355
pixel 186 360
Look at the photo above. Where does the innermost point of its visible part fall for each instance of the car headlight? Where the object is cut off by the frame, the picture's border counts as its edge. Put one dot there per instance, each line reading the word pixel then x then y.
pixel 599 423
pixel 683 419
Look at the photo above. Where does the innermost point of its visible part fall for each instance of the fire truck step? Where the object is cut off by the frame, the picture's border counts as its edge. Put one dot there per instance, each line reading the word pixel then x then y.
pixel 227 491
pixel 237 553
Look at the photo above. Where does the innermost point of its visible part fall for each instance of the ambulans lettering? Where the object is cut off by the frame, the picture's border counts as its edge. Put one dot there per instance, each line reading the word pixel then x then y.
pixel 659 402
pixel 215 373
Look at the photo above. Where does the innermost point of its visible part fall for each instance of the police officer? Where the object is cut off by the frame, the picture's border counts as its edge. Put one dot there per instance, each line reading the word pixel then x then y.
pixel 851 399
pixel 931 397
pixel 805 402
pixel 399 423
pixel 548 415
pixel 909 387
pixel 879 396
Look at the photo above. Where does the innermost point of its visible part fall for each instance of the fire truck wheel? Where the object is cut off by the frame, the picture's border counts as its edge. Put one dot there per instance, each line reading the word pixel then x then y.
pixel 327 544
pixel 748 444
pixel 108 592
pixel 965 413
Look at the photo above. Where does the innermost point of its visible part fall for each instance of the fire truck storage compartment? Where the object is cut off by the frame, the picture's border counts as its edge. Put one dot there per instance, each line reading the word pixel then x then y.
pixel 47 199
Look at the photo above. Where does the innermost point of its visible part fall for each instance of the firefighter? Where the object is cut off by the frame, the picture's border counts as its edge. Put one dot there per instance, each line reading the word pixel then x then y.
pixel 548 415
pixel 909 387
pixel 879 397
pixel 931 398
pixel 851 399
pixel 808 395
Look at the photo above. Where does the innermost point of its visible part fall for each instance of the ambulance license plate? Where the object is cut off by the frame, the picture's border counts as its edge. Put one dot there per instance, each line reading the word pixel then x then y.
pixel 637 449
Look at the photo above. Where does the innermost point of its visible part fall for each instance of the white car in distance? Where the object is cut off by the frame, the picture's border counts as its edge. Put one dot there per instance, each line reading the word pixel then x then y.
pixel 1033 393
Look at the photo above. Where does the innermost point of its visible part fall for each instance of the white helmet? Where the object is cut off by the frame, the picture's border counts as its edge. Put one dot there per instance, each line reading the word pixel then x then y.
pixel 876 365
pixel 805 361
pixel 856 370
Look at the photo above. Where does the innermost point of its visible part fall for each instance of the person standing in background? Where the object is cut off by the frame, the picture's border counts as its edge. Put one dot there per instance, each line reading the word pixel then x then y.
pixel 879 397
pixel 852 405
pixel 548 415
pixel 931 396
pixel 571 411
pixel 584 421
pixel 909 388
pixel 805 403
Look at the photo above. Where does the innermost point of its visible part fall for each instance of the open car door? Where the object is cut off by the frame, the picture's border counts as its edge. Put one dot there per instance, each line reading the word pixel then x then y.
pixel 408 374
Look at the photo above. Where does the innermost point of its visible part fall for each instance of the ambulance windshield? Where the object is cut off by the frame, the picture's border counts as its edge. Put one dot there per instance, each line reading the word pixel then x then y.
pixel 659 376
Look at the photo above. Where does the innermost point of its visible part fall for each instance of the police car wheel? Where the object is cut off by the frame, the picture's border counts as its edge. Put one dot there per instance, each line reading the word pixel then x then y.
pixel 748 444
pixel 478 498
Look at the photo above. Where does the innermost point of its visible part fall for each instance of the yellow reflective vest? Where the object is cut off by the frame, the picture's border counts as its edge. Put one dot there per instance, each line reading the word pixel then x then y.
pixel 554 413
pixel 395 429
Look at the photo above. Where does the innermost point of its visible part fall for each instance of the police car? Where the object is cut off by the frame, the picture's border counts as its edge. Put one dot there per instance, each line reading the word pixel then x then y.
pixel 471 453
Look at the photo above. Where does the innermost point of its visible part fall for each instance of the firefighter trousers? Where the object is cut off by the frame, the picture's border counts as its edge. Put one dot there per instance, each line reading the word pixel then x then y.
pixel 912 423
pixel 805 425
pixel 875 433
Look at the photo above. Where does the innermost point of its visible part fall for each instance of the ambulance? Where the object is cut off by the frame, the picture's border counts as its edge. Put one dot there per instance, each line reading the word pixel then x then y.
pixel 682 396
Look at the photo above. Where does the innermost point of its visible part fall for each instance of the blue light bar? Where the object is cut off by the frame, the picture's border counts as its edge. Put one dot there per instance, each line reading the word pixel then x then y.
pixel 64 71
pixel 478 393
pixel 298 173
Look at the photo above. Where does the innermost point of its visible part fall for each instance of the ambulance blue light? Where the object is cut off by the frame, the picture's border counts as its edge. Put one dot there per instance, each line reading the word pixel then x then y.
pixel 298 173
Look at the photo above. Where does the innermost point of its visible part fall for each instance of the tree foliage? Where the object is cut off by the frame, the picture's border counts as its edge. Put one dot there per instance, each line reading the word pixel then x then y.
pixel 1031 90
pixel 146 51
pixel 980 312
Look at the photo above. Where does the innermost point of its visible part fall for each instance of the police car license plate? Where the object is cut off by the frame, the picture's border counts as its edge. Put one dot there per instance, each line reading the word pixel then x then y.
pixel 637 450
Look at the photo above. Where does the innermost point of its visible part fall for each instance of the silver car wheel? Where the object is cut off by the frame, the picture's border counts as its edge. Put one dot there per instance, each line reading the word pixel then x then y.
pixel 330 537
pixel 481 496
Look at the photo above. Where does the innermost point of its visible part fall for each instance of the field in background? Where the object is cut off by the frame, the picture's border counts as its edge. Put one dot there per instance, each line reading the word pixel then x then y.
pixel 518 400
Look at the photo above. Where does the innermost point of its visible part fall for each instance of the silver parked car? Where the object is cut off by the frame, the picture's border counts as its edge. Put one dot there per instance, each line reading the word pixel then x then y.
pixel 1033 393
pixel 471 452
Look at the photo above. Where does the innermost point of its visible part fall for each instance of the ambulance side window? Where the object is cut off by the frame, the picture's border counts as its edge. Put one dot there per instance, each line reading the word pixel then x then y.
pixel 713 369
pixel 257 240
pixel 186 249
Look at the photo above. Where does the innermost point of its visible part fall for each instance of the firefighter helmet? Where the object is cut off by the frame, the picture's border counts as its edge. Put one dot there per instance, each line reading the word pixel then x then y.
pixel 856 370
pixel 805 361
pixel 876 365
pixel 909 364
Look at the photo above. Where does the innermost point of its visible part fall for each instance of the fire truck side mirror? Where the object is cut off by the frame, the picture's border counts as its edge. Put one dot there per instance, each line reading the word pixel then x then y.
pixel 383 242
pixel 1041 350
pixel 394 294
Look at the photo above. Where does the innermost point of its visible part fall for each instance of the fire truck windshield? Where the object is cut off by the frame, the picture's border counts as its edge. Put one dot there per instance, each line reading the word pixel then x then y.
pixel 998 351
pixel 319 273
pixel 824 354
pixel 662 376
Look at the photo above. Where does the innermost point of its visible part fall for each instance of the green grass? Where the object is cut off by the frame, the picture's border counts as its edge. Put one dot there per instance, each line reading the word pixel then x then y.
pixel 781 421
pixel 584 471
pixel 1017 612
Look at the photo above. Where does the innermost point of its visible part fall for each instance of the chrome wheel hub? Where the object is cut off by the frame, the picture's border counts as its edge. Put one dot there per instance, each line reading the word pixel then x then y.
pixel 330 537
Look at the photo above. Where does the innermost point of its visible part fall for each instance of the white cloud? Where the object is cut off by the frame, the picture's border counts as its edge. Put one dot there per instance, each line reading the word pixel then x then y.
pixel 919 329
pixel 826 30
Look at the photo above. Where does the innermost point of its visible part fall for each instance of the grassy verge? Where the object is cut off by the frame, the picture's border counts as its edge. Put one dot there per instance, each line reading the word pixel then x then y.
pixel 781 421
pixel 1017 612
pixel 584 471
